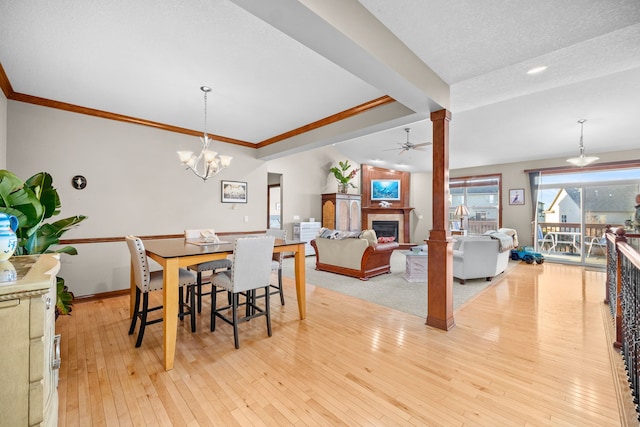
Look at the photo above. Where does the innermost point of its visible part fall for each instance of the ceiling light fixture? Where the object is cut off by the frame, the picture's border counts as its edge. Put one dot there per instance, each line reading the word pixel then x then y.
pixel 582 160
pixel 208 163
pixel 536 70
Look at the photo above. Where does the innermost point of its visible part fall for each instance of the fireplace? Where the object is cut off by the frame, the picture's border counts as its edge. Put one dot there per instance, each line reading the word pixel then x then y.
pixel 398 215
pixel 386 228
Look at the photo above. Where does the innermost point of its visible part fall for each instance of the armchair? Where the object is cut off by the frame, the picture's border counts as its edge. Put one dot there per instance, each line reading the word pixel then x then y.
pixel 478 257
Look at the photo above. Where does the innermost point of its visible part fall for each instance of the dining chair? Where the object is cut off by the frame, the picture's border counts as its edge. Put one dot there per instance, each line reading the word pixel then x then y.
pixel 543 239
pixel 599 242
pixel 251 270
pixel 147 281
pixel 276 263
pixel 209 266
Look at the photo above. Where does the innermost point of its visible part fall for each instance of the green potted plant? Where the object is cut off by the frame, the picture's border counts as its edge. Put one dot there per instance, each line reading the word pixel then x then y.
pixel 33 202
pixel 343 176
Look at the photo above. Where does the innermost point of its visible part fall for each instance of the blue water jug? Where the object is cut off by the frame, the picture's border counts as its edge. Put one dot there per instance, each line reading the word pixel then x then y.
pixel 8 239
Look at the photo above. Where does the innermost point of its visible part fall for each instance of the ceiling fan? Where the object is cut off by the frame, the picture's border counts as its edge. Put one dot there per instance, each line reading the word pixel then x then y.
pixel 410 145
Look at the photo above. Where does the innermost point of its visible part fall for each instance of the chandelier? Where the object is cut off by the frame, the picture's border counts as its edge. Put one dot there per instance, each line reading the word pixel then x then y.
pixel 582 160
pixel 208 163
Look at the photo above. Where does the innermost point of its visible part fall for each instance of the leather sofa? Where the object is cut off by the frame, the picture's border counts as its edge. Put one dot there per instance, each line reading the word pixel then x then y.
pixel 356 257
pixel 479 257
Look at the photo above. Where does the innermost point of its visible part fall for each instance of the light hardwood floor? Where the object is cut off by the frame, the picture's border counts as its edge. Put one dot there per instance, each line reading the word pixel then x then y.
pixel 532 350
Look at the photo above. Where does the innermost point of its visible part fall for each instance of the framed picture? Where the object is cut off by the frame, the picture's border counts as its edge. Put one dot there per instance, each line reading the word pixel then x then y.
pixel 516 196
pixel 385 189
pixel 234 192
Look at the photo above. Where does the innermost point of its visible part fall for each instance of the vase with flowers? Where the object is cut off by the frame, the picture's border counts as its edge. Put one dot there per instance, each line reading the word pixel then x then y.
pixel 343 176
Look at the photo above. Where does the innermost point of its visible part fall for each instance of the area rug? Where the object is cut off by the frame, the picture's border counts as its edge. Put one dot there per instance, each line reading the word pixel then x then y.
pixel 389 290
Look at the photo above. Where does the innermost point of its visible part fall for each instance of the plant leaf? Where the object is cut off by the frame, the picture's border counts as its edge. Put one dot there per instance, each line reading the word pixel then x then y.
pixel 70 250
pixel 42 185
pixel 64 300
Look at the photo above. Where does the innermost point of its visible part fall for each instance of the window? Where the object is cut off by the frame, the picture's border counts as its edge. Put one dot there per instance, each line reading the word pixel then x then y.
pixel 481 195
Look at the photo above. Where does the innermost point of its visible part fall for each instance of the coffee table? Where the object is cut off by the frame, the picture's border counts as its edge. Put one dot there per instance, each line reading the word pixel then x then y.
pixel 416 268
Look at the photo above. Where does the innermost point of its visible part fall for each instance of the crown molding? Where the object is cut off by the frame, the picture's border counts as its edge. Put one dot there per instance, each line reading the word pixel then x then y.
pixel 5 84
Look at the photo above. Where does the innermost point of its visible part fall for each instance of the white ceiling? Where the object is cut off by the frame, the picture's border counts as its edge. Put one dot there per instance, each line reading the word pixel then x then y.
pixel 279 65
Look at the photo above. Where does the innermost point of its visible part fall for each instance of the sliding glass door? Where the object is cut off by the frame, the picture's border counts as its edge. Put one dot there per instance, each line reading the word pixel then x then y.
pixel 560 224
pixel 573 210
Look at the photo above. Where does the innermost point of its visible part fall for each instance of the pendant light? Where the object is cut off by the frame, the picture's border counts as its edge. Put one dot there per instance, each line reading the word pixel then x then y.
pixel 582 160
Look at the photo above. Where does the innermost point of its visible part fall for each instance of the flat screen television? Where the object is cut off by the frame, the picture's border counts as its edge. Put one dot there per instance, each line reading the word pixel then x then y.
pixel 385 189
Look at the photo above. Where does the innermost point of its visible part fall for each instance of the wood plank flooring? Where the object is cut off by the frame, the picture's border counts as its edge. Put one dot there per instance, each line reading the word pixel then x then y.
pixel 531 350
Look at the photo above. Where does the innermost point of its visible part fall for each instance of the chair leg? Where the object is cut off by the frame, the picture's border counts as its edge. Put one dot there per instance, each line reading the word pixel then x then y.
pixel 234 313
pixel 251 298
pixel 192 310
pixel 181 303
pixel 136 311
pixel 213 308
pixel 200 291
pixel 280 286
pixel 267 310
pixel 143 318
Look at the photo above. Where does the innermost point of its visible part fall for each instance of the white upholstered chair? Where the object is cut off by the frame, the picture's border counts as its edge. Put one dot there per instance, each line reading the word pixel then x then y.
pixel 148 281
pixel 205 267
pixel 251 270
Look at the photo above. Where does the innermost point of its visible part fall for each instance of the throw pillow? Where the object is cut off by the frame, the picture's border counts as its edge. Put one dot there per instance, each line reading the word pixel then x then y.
pixel 370 235
pixel 325 233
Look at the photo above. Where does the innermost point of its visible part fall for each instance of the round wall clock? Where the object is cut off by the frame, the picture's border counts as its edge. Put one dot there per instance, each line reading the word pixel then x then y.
pixel 79 182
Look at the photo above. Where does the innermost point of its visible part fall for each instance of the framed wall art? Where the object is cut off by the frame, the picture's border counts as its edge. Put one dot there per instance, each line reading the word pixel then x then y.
pixel 234 192
pixel 516 196
pixel 385 189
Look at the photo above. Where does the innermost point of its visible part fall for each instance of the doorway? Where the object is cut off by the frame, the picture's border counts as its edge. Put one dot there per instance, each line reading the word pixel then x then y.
pixel 274 200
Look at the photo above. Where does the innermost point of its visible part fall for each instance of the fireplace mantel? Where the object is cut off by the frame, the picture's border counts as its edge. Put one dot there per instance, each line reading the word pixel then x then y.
pixel 372 211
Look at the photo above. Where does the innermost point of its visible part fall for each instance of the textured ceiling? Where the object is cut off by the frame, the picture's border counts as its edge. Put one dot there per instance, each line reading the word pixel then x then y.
pixel 279 65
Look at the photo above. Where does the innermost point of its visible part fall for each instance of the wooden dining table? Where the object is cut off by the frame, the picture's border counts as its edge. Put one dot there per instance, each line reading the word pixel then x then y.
pixel 175 253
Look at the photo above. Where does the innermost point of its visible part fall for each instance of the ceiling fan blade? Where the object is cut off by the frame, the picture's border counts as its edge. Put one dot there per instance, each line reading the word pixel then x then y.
pixel 402 147
pixel 422 144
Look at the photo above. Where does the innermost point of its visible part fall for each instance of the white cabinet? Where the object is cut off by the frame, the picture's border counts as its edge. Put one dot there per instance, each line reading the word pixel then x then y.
pixel 306 232
pixel 30 349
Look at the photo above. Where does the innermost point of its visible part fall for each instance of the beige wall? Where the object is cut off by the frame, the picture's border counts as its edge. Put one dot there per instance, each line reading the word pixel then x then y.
pixel 135 185
pixel 3 131
pixel 421 197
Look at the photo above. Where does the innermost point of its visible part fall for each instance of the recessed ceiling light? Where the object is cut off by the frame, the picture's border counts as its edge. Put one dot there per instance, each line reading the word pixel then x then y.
pixel 536 70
